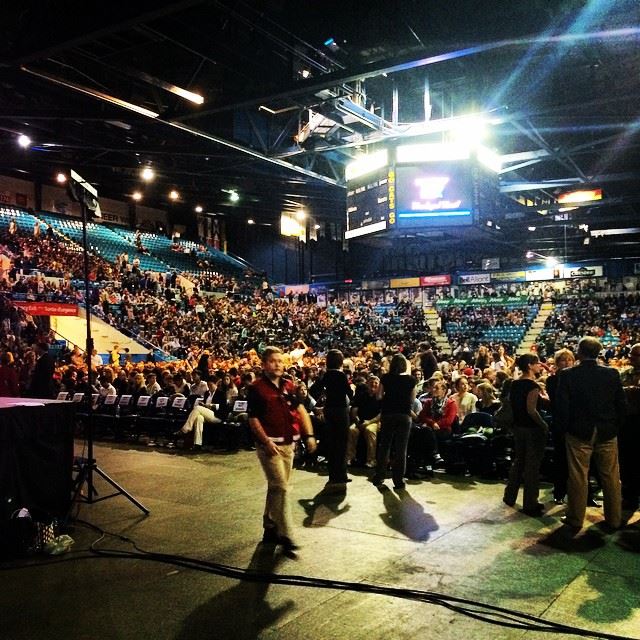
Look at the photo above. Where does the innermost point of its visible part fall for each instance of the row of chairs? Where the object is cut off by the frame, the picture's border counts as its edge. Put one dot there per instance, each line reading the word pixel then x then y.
pixel 159 417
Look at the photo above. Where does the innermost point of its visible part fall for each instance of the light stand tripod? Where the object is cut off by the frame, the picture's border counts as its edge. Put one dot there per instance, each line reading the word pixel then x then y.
pixel 87 196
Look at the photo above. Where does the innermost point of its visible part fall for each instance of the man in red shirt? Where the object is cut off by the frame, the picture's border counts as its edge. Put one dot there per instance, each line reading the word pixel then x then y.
pixel 273 406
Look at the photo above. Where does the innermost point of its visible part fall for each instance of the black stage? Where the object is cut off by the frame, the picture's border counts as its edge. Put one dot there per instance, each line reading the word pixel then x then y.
pixel 36 454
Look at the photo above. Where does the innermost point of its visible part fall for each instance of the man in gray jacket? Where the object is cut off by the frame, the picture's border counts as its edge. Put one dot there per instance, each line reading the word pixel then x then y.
pixel 590 410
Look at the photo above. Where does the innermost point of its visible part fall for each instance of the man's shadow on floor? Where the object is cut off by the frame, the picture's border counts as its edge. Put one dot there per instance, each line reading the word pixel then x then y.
pixel 406 515
pixel 241 612
pixel 324 507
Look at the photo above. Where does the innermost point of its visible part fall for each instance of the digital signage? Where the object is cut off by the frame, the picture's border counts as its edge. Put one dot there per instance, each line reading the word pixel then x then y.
pixel 368 204
pixel 434 194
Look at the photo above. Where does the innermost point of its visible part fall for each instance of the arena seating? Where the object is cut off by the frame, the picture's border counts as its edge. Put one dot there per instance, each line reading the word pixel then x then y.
pixel 102 241
pixel 499 323
pixel 161 247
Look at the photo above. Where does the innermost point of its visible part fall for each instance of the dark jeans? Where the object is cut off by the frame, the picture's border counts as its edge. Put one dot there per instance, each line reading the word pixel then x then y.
pixel 336 435
pixel 528 452
pixel 394 429
pixel 629 453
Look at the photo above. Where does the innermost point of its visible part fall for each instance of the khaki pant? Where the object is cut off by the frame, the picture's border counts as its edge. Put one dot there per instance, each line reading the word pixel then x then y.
pixel 579 455
pixel 277 508
pixel 370 433
pixel 198 416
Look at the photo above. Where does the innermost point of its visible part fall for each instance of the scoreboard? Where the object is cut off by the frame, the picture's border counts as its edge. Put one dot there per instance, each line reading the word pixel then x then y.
pixel 411 192
pixel 369 202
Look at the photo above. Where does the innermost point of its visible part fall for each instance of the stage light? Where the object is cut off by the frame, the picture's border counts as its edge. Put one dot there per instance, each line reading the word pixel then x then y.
pixel 24 141
pixel 61 178
pixel 251 221
pixel 187 95
pixel 301 214
pixel 305 73
pixel 489 223
pixel 233 196
pixel 173 194
pixel 531 228
pixel 469 129
pixel 198 209
pixel 329 41
pixel 316 226
pixel 366 164
pixel 530 255
pixel 432 152
pixel 137 196
pixel 147 174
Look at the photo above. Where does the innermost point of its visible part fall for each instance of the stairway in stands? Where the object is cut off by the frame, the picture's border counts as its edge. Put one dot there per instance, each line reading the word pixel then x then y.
pixel 531 337
pixel 440 341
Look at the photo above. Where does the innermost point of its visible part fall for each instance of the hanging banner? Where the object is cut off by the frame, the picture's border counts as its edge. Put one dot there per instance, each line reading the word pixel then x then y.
pixel 401 283
pixel 435 281
pixel 475 278
pixel 47 308
pixel 509 276
pixel 482 302
pixel 594 271
pixel 375 284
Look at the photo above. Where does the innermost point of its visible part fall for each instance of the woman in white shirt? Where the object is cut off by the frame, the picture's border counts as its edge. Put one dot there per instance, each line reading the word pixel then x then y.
pixel 465 401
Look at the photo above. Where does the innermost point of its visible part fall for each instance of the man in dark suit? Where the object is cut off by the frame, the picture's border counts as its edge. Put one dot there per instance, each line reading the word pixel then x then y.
pixel 42 380
pixel 590 407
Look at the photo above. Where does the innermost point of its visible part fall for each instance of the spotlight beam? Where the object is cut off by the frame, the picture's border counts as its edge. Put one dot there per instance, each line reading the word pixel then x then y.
pixel 304 88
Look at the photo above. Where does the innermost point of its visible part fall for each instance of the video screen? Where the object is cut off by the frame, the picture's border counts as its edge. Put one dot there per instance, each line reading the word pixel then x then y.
pixel 434 194
pixel 368 204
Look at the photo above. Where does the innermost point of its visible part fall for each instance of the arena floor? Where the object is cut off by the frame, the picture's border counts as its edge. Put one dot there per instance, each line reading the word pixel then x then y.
pixel 449 535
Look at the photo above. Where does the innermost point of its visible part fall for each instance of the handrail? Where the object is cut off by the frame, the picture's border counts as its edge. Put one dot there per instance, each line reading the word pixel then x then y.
pixel 69 341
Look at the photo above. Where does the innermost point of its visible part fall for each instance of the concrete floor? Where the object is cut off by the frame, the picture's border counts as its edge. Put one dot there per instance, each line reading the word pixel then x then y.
pixel 451 535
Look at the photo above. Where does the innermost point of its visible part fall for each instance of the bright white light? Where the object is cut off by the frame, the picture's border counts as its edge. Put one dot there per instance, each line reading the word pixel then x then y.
pixel 173 194
pixel 305 73
pixel 148 174
pixel 489 223
pixel 198 209
pixel 469 129
pixel 489 158
pixel 137 196
pixel 188 95
pixel 432 152
pixel 61 178
pixel 366 164
pixel 233 196
pixel 316 226
pixel 251 221
pixel 24 141
pixel 531 228
pixel 550 261
pixel 530 255
pixel 301 214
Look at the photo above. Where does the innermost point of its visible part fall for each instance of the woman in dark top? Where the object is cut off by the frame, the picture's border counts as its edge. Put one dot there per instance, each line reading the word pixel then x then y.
pixel 397 392
pixel 530 436
pixel 337 394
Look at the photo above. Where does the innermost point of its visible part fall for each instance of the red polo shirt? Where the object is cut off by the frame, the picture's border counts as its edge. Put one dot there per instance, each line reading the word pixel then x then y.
pixel 274 407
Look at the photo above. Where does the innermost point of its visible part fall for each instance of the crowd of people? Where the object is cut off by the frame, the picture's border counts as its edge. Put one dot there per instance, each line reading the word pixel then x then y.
pixel 362 377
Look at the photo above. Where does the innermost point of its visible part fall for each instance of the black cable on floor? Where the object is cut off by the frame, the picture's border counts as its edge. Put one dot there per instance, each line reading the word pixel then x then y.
pixel 480 611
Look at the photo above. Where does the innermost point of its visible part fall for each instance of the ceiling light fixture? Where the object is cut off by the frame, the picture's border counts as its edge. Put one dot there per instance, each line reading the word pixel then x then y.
pixel 233 196
pixel 147 174
pixel 198 209
pixel 24 141
pixel 251 221
pixel 173 194
pixel 61 178
pixel 137 196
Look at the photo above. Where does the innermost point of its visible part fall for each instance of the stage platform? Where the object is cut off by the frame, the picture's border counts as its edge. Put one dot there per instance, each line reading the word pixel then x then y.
pixel 450 535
